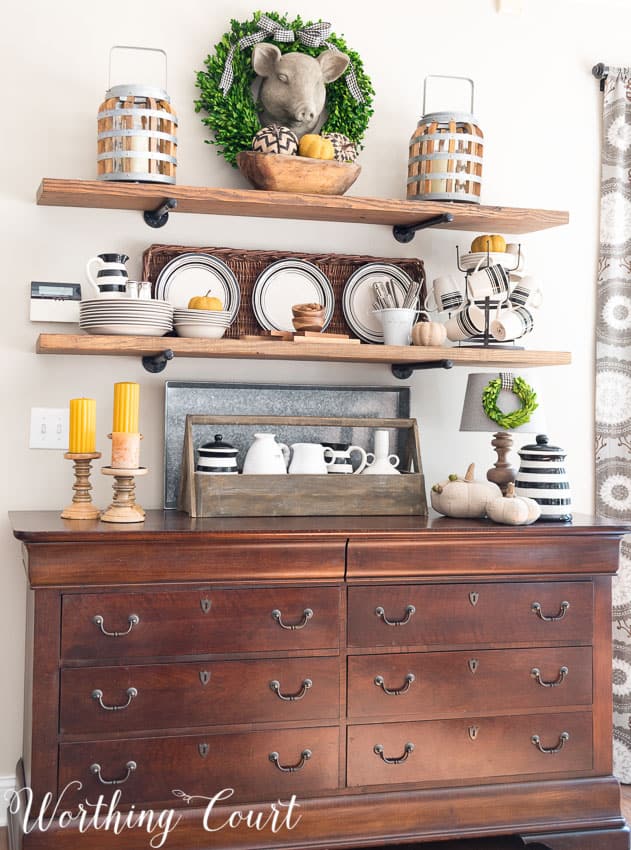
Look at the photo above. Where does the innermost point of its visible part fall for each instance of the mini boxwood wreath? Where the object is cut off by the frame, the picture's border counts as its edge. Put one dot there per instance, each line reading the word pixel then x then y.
pixel 233 116
pixel 522 390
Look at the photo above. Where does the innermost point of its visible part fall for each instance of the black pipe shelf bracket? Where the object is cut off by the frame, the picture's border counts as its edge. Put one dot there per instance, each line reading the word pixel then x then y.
pixel 160 216
pixel 155 363
pixel 403 371
pixel 405 232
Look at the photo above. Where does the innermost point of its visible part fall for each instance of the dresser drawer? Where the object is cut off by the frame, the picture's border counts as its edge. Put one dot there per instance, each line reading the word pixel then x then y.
pixel 101 700
pixel 197 622
pixel 203 765
pixel 471 613
pixel 471 749
pixel 453 684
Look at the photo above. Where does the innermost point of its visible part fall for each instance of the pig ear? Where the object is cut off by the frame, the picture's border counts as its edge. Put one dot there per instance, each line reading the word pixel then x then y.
pixel 264 59
pixel 333 64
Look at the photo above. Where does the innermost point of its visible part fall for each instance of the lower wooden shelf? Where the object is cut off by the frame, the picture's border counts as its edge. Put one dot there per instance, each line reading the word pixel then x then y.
pixel 265 349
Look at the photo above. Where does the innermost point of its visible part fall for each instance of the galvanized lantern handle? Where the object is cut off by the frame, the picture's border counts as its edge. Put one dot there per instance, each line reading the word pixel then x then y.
pixel 130 47
pixel 446 77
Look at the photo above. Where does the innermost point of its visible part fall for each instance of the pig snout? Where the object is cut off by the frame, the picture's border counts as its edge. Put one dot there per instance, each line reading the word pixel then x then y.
pixel 305 114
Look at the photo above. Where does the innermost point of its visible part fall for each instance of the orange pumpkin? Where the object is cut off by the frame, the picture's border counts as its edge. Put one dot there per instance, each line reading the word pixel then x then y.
pixel 493 243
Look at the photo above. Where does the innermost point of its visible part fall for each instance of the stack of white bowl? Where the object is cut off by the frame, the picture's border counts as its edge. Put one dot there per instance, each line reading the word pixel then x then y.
pixel 126 316
pixel 206 324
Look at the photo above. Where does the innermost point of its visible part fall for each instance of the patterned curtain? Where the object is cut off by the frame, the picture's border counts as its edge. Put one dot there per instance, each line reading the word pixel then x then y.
pixel 613 381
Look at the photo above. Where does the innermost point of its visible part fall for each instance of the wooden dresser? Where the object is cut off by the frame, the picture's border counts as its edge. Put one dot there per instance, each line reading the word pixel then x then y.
pixel 408 680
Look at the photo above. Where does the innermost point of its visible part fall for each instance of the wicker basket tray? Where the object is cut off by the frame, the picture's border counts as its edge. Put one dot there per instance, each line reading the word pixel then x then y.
pixel 248 265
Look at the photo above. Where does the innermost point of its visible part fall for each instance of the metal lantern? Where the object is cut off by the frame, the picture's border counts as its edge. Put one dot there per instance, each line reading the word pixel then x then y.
pixel 136 138
pixel 445 162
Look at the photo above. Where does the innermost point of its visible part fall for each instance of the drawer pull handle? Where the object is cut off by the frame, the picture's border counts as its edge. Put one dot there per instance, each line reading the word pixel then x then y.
pixel 96 770
pixel 409 611
pixel 395 692
pixel 536 607
pixel 536 674
pixel 378 750
pixel 275 686
pixel 307 614
pixel 563 737
pixel 305 755
pixel 97 694
pixel 133 620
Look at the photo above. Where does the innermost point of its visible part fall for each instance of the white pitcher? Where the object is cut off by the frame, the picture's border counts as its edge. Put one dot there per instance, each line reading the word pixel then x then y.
pixel 110 280
pixel 310 459
pixel 266 457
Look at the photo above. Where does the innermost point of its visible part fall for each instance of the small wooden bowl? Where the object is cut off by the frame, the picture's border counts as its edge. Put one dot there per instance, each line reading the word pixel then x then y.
pixel 299 174
pixel 308 324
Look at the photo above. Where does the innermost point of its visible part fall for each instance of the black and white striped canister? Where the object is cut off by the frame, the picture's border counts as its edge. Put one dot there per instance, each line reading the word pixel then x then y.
pixel 542 477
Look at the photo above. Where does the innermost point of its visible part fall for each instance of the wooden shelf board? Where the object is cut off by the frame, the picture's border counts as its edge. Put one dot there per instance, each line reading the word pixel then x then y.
pixel 275 350
pixel 263 204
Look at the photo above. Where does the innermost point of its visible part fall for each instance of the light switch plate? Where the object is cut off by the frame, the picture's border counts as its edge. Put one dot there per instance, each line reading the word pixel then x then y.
pixel 49 428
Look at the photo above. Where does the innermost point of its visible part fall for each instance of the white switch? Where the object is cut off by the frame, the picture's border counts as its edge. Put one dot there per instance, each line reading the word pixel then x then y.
pixel 510 7
pixel 49 428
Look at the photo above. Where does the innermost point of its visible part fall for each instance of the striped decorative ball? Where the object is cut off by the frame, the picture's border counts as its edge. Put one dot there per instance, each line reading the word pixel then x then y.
pixel 345 150
pixel 276 139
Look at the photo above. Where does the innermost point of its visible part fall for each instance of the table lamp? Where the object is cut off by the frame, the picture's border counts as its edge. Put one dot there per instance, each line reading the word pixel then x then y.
pixel 505 397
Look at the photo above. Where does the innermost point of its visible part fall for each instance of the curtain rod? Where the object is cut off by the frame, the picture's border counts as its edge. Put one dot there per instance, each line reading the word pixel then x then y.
pixel 601 72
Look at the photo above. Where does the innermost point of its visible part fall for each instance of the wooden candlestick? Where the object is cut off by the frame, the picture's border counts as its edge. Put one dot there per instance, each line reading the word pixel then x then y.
pixel 81 507
pixel 502 473
pixel 124 507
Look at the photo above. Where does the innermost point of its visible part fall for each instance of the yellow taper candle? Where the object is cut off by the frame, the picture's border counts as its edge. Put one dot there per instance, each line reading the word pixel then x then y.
pixel 82 438
pixel 126 407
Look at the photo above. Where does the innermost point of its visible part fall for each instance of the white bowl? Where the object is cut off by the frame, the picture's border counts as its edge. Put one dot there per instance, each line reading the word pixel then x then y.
pixel 183 313
pixel 201 331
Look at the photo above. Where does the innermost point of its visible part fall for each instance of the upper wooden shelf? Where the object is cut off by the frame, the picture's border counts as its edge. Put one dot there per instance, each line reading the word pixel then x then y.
pixel 145 346
pixel 261 204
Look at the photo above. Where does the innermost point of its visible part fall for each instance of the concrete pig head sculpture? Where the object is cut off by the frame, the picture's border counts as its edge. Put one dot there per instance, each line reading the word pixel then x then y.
pixel 293 85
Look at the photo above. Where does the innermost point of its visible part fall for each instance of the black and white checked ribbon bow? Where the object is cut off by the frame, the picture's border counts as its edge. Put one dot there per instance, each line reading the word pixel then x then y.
pixel 312 36
pixel 507 380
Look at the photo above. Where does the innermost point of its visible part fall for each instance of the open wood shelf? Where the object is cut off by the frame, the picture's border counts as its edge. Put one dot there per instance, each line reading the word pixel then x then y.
pixel 279 350
pixel 262 204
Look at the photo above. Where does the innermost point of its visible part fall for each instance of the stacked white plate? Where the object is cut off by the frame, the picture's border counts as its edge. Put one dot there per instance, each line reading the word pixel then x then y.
pixel 203 324
pixel 126 316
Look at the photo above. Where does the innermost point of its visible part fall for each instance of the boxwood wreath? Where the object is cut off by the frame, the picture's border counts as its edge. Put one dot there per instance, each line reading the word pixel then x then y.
pixel 521 416
pixel 233 116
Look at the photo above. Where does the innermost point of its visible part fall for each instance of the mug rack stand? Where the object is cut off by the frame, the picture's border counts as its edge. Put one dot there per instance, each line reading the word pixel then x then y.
pixel 485 340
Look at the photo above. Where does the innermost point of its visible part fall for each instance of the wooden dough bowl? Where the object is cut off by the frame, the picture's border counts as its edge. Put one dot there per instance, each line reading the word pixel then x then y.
pixel 301 174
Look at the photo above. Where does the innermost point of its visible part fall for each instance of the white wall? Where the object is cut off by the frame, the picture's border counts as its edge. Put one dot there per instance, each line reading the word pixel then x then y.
pixel 536 102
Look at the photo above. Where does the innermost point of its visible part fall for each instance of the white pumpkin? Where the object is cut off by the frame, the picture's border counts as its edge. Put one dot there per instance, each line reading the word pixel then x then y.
pixel 464 497
pixel 514 510
pixel 429 333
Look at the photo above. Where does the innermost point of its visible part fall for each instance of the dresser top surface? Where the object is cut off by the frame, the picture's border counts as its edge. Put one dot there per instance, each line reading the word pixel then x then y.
pixel 48 527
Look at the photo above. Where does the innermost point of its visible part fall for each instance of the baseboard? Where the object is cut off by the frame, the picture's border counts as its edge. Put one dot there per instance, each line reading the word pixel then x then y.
pixel 7 784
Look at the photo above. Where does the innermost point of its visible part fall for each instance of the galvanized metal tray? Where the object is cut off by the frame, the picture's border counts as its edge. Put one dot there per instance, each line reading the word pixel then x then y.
pixel 209 398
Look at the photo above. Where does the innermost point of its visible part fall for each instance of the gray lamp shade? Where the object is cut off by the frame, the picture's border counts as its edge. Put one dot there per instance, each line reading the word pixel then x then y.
pixel 475 419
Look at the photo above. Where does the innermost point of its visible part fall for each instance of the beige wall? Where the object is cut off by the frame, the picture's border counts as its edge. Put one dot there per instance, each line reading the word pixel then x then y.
pixel 536 102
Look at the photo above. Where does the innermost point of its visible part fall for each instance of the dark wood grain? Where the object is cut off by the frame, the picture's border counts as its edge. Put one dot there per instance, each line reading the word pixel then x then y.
pixel 175 623
pixel 456 684
pixel 266 204
pixel 445 616
pixel 239 761
pixel 445 750
pixel 203 694
pixel 455 784
pixel 365 819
